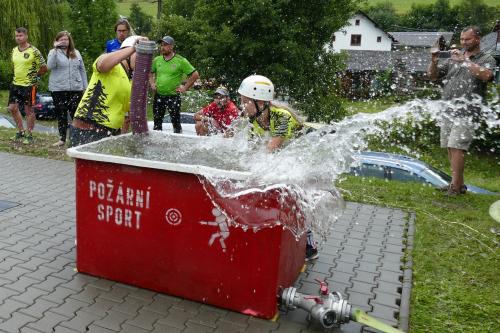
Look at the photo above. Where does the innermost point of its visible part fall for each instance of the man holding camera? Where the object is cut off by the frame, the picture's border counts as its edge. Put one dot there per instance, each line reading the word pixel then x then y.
pixel 465 76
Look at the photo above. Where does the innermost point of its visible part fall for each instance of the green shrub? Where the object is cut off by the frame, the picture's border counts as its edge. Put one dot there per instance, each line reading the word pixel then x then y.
pixel 6 74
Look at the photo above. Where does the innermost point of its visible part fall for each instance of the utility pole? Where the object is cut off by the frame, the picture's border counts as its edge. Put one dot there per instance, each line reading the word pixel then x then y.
pixel 158 14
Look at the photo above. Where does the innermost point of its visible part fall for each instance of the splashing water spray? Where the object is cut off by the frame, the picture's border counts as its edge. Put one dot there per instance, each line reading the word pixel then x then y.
pixel 329 309
pixel 139 98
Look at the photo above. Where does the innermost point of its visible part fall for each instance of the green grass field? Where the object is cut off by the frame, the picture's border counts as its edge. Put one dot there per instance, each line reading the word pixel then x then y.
pixel 148 7
pixel 402 6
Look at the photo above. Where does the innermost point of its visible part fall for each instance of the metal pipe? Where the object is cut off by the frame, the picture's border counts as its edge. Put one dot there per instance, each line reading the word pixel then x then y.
pixel 326 310
pixel 329 309
pixel 140 80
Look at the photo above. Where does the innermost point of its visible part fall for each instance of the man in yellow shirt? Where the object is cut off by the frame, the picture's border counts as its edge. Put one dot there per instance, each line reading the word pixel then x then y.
pixel 29 65
pixel 106 101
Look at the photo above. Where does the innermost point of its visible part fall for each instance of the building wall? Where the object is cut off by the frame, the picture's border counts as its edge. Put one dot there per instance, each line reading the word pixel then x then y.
pixel 369 33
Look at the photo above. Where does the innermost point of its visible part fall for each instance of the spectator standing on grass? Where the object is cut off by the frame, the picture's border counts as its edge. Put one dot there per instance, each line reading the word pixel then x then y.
pixel 465 75
pixel 29 65
pixel 67 81
pixel 167 74
pixel 122 30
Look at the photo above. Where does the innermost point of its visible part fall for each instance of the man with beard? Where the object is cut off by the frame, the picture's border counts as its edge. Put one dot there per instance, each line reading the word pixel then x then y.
pixel 465 76
pixel 167 74
pixel 217 116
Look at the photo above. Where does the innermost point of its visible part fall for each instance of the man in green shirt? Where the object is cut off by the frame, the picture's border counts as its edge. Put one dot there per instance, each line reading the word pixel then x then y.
pixel 167 74
pixel 29 65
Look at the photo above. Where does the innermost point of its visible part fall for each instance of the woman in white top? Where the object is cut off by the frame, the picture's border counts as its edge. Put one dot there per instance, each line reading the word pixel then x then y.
pixel 67 80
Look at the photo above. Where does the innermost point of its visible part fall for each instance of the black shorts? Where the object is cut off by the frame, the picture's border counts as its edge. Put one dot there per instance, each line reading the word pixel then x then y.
pixel 22 95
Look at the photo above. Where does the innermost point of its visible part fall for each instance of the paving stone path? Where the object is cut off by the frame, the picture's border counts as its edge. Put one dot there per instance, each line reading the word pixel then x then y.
pixel 40 291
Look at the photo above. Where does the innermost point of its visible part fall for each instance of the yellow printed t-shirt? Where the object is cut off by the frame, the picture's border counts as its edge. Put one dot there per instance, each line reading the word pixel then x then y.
pixel 282 124
pixel 26 65
pixel 106 99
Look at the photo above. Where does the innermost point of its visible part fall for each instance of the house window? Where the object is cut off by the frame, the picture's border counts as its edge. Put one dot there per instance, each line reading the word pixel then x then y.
pixel 357 22
pixel 355 40
pixel 379 39
pixel 333 38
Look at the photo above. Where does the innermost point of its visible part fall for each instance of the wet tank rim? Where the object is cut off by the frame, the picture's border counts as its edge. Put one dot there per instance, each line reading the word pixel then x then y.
pixel 76 152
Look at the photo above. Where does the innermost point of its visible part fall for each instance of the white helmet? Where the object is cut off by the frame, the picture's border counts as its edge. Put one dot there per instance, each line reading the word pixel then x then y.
pixel 257 87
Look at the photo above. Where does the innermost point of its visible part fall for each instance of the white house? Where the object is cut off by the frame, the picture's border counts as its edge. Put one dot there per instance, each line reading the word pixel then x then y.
pixel 362 34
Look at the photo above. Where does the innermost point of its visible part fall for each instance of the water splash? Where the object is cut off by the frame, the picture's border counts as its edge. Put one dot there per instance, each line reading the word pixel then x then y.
pixel 294 187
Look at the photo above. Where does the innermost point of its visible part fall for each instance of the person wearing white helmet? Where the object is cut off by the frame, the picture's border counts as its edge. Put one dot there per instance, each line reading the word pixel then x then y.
pixel 256 95
pixel 106 100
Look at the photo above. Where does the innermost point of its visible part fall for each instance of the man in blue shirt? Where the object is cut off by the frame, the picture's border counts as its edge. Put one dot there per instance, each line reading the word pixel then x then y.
pixel 122 29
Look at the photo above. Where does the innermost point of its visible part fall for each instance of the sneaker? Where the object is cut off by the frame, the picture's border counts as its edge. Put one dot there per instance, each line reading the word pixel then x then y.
pixel 28 139
pixel 58 143
pixel 311 253
pixel 18 137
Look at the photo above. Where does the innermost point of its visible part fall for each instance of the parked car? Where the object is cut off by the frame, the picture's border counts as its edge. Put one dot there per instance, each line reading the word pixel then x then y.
pixel 43 108
pixel 187 123
pixel 4 122
pixel 403 168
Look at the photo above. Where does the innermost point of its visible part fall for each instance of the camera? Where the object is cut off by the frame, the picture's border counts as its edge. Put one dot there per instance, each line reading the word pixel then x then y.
pixel 444 54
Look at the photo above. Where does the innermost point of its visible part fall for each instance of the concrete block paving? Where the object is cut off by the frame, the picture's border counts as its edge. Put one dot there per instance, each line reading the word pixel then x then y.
pixel 41 292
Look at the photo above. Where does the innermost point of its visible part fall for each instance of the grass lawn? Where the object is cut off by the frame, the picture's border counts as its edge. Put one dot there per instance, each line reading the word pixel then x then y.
pixel 148 7
pixel 402 6
pixel 456 278
pixel 371 106
pixel 455 256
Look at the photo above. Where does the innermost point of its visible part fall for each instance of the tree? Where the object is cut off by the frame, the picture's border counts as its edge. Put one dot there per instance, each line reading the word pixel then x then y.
pixel 282 39
pixel 384 14
pixel 142 23
pixel 477 13
pixel 432 17
pixel 92 25
pixel 43 19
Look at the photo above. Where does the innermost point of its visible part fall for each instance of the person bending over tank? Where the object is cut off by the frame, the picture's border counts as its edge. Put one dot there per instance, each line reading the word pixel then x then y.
pixel 466 74
pixel 106 100
pixel 256 96
pixel 217 116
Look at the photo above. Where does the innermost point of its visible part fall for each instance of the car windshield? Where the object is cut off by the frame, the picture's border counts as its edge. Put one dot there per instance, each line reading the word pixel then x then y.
pixel 45 99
